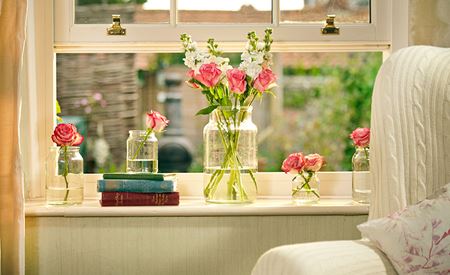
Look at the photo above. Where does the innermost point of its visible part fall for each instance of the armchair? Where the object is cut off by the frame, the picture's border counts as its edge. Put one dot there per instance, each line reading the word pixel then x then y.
pixel 410 160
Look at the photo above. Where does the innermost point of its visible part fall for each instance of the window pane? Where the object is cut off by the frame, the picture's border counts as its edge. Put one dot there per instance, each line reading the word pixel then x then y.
pixel 231 11
pixel 134 11
pixel 346 11
pixel 321 98
pixel 324 96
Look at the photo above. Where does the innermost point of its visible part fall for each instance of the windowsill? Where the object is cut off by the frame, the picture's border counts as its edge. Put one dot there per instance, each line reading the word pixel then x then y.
pixel 197 207
pixel 273 200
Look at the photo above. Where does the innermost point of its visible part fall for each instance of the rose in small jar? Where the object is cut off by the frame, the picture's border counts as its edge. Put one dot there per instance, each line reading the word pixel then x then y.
pixel 156 121
pixel 313 162
pixel 294 163
pixel 361 137
pixel 65 134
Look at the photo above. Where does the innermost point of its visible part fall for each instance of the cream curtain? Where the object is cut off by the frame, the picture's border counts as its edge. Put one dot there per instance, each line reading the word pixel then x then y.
pixel 12 220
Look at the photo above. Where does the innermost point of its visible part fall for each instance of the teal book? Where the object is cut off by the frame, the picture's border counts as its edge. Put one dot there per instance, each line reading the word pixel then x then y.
pixel 140 176
pixel 136 186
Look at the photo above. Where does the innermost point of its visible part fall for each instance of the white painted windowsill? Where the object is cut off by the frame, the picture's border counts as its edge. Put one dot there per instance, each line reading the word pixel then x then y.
pixel 273 200
pixel 197 207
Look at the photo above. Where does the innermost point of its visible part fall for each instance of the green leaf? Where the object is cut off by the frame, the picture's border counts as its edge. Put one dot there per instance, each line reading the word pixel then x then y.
pixel 270 92
pixel 58 107
pixel 207 110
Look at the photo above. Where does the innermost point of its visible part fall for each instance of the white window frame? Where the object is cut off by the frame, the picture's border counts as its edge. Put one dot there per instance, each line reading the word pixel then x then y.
pixel 387 32
pixel 151 37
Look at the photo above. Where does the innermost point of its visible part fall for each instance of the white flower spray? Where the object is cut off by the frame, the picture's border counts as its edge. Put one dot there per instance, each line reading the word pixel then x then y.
pixel 257 54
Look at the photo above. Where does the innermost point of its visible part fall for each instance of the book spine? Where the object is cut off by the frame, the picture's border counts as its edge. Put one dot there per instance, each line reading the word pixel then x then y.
pixel 130 199
pixel 136 203
pixel 138 186
pixel 138 176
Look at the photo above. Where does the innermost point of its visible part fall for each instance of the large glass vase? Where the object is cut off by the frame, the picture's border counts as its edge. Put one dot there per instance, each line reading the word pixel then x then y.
pixel 230 161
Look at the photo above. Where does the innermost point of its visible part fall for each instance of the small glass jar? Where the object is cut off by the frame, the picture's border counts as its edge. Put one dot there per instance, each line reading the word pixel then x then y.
pixel 230 161
pixel 142 152
pixel 305 188
pixel 64 176
pixel 361 176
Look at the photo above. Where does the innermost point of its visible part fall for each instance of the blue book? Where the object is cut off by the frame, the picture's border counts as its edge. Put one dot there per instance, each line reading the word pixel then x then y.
pixel 136 186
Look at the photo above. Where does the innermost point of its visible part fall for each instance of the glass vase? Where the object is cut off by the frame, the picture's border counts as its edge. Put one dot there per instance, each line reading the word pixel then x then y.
pixel 305 188
pixel 230 161
pixel 142 152
pixel 64 176
pixel 360 175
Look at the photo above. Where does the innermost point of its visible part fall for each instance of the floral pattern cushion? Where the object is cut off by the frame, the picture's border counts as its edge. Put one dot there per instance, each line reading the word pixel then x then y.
pixel 417 238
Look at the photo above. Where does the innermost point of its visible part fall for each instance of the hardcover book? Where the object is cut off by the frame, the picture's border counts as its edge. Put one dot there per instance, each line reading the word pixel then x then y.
pixel 140 176
pixel 139 199
pixel 137 186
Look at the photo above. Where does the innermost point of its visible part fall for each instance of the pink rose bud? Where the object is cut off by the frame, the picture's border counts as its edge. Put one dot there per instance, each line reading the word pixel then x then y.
pixel 236 80
pixel 313 162
pixel 209 75
pixel 190 82
pixel 264 79
pixel 65 134
pixel 294 163
pixel 361 137
pixel 156 121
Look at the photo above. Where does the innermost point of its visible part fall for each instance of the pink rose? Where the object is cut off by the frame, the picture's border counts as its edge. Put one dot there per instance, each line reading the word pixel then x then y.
pixel 313 162
pixel 65 134
pixel 361 137
pixel 209 75
pixel 236 80
pixel 156 121
pixel 190 82
pixel 294 163
pixel 264 79
pixel 78 139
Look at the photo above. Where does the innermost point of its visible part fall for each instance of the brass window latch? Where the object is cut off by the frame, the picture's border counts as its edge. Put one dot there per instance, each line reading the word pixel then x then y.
pixel 116 28
pixel 329 27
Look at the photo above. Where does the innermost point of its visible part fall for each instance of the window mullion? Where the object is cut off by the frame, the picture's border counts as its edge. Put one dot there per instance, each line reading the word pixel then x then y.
pixel 276 12
pixel 173 13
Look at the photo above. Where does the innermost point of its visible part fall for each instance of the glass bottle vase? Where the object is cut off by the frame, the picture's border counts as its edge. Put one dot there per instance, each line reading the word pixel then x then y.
pixel 64 176
pixel 360 175
pixel 230 161
pixel 142 152
pixel 305 188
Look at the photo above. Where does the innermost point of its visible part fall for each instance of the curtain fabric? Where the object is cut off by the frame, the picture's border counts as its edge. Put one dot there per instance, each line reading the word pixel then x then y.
pixel 12 219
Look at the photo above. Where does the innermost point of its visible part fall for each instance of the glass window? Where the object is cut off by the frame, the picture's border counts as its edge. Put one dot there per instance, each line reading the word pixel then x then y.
pixel 346 11
pixel 233 11
pixel 134 11
pixel 321 98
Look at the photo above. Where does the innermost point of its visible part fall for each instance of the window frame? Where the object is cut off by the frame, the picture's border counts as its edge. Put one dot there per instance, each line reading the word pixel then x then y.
pixel 67 33
pixel 65 38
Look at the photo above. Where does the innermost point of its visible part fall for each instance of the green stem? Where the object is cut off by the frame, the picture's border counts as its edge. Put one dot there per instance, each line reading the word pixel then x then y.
pixel 305 184
pixel 149 131
pixel 66 172
pixel 366 152
pixel 231 159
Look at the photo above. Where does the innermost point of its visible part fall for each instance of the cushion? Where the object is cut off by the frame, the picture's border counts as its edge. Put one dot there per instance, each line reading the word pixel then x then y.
pixel 324 258
pixel 417 238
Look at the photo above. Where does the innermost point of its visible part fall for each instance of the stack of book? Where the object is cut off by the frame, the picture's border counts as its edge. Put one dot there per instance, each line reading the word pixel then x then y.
pixel 140 189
